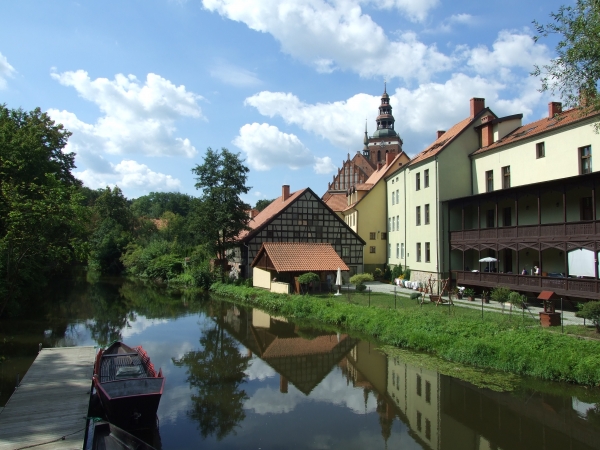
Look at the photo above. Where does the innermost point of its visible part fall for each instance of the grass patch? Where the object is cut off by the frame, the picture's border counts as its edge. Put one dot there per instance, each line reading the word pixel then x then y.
pixel 499 342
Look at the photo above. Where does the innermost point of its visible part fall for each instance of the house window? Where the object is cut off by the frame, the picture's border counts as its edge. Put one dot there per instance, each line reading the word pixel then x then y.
pixel 418 252
pixel 427 214
pixel 428 392
pixel 390 223
pixel 490 219
pixel 587 212
pixel 372 235
pixel 419 420
pixel 418 215
pixel 393 198
pixel 345 252
pixel 402 250
pixel 585 155
pixel 398 223
pixel 397 196
pixel 393 224
pixel 428 429
pixel 372 249
pixel 418 181
pixel 489 181
pixel 427 252
pixel 506 177
pixel 383 236
pixel 426 178
pixel 419 385
pixel 390 250
pixel 269 233
pixel 507 217
pixel 540 150
pixel 397 251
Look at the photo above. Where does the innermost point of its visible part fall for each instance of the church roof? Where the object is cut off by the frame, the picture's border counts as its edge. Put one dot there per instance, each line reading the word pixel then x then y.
pixel 336 201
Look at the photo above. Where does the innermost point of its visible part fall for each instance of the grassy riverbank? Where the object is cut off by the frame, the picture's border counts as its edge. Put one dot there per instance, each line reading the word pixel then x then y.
pixel 494 342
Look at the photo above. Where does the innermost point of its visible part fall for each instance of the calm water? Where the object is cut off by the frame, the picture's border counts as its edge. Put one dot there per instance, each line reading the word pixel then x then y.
pixel 240 379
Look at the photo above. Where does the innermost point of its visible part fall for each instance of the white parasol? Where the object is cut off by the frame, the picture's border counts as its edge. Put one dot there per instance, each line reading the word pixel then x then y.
pixel 488 259
pixel 338 280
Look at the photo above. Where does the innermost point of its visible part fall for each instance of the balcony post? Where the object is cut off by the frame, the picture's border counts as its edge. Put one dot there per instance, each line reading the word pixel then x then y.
pixel 463 216
pixel 478 219
pixel 539 210
pixel 517 212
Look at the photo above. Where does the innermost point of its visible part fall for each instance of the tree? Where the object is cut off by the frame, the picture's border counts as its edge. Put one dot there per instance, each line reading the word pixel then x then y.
pixel 262 204
pixel 221 215
pixel 574 74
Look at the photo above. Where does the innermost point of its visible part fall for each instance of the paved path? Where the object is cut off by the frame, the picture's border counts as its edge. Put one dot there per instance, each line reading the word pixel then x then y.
pixel 376 286
pixel 51 402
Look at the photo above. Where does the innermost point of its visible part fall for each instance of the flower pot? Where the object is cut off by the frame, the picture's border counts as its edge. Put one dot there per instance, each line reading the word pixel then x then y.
pixel 486 300
pixel 471 299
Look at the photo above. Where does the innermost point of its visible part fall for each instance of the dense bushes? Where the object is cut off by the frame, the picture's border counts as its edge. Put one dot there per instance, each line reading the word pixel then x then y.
pixel 493 343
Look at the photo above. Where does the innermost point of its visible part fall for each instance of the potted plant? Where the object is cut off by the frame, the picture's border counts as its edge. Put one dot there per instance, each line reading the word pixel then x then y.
pixel 485 296
pixel 469 293
pixel 460 292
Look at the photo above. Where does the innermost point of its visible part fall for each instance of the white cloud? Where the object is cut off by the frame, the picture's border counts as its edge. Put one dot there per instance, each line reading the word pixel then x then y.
pixel 415 9
pixel 233 75
pixel 267 147
pixel 131 175
pixel 138 118
pixel 323 166
pixel 510 50
pixel 448 24
pixel 337 35
pixel 6 71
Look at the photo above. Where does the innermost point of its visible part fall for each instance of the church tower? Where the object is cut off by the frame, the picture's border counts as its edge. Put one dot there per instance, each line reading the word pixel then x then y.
pixel 385 139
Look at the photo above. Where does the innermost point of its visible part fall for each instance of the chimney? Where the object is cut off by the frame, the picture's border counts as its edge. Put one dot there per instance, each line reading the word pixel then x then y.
pixel 554 108
pixel 389 157
pixel 440 133
pixel 378 166
pixel 285 192
pixel 477 105
pixel 487 131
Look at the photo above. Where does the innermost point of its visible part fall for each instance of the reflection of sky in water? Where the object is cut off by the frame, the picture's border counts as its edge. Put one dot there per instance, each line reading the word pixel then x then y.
pixel 331 417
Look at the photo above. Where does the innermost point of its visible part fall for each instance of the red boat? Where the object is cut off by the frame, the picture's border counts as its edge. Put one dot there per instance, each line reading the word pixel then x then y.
pixel 128 386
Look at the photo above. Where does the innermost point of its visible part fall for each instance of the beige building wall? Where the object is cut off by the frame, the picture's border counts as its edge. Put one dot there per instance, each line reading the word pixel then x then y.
pixel 561 158
pixel 396 225
pixel 261 278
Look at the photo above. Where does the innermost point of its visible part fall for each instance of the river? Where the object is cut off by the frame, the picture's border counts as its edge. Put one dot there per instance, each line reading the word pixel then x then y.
pixel 238 378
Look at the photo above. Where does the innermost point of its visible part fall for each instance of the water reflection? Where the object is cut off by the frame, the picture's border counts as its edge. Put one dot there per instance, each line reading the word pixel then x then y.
pixel 239 378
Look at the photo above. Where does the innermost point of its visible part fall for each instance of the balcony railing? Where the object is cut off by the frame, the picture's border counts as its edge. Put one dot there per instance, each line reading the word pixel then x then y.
pixel 574 287
pixel 544 231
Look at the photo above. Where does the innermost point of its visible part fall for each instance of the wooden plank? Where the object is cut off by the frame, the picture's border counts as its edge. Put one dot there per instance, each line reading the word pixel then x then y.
pixel 48 410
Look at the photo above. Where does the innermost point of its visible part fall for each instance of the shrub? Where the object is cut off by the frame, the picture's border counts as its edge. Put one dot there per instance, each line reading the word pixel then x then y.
pixel 500 294
pixel 361 278
pixel 397 272
pixel 164 267
pixel 468 292
pixel 309 277
pixel 407 274
pixel 378 273
pixel 388 273
pixel 590 311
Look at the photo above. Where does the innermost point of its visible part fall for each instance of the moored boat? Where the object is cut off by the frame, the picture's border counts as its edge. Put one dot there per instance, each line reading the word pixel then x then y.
pixel 108 436
pixel 128 386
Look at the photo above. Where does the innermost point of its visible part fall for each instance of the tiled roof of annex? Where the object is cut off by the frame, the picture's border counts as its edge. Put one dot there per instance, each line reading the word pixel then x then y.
pixel 284 347
pixel 301 257
pixel 443 141
pixel 336 201
pixel 539 127
pixel 270 212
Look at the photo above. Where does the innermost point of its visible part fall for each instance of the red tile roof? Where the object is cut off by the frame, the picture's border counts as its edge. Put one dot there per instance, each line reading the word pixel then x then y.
pixel 539 127
pixel 284 347
pixel 271 211
pixel 337 202
pixel 301 257
pixel 444 140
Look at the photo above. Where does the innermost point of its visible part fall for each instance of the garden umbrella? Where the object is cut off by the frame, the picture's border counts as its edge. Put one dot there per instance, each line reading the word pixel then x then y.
pixel 488 259
pixel 338 280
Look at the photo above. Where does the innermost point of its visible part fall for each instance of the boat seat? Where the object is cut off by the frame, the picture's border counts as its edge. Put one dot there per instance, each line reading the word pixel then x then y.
pixel 122 366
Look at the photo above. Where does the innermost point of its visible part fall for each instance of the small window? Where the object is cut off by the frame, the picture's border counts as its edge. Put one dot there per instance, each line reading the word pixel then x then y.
pixel 418 252
pixel 398 223
pixel 418 215
pixel 393 224
pixel 372 235
pixel 489 181
pixel 419 383
pixel 426 178
pixel 269 233
pixel 428 429
pixel 427 252
pixel 397 251
pixel 585 154
pixel 540 150
pixel 372 249
pixel 345 252
pixel 427 214
pixel 389 224
pixel 383 236
pixel 418 181
pixel 393 198
pixel 402 250
pixel 506 177
pixel 419 420
pixel 397 196
pixel 428 392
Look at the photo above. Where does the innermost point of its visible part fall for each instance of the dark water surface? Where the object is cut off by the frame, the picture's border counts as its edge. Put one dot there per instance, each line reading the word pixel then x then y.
pixel 240 379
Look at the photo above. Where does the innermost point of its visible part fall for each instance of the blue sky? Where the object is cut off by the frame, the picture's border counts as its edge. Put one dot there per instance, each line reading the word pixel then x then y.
pixel 146 86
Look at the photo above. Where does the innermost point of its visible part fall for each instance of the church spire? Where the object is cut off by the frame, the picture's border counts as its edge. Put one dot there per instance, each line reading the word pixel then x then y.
pixel 366 152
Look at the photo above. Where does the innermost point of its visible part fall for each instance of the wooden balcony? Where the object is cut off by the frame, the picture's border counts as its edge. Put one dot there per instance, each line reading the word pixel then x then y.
pixel 567 287
pixel 563 232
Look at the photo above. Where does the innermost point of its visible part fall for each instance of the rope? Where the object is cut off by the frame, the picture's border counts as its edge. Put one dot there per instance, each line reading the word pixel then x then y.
pixel 62 438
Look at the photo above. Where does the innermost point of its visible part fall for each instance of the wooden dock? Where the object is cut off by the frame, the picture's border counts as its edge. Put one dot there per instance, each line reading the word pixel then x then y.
pixel 51 402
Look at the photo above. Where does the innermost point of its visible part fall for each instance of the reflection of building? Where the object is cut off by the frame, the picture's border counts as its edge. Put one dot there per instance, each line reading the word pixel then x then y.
pixel 301 357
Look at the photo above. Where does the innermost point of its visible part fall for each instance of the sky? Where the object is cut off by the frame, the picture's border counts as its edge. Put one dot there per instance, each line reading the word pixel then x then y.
pixel 146 86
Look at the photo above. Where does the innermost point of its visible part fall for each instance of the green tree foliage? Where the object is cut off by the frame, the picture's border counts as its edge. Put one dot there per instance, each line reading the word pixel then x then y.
pixel 309 277
pixel 262 204
pixel 155 204
pixel 360 279
pixel 221 214
pixel 590 311
pixel 42 220
pixel 500 294
pixel 575 72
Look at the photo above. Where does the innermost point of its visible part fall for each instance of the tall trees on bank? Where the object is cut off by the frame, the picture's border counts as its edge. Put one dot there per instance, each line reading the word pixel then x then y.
pixel 42 220
pixel 575 72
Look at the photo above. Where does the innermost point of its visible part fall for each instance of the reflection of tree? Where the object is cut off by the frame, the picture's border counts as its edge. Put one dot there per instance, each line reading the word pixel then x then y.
pixel 216 371
pixel 110 313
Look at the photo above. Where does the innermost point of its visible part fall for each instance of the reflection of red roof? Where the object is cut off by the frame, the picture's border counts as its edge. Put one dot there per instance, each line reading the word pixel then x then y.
pixel 270 212
pixel 539 127
pixel 337 202
pixel 282 347
pixel 300 257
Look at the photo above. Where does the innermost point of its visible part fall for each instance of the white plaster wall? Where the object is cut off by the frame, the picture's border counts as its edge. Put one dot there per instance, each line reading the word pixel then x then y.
pixel 280 288
pixel 261 278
